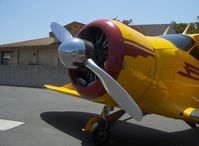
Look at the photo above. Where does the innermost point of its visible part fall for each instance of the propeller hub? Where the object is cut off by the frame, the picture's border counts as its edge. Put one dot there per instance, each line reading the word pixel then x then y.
pixel 72 53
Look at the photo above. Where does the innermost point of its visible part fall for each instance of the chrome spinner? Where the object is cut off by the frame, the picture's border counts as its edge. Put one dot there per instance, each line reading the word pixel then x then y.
pixel 72 53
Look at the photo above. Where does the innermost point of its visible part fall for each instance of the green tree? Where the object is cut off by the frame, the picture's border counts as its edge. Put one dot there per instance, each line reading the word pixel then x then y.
pixel 180 27
pixel 128 22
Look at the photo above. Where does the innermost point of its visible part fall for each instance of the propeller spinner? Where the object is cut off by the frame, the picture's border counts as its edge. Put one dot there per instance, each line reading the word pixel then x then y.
pixel 73 53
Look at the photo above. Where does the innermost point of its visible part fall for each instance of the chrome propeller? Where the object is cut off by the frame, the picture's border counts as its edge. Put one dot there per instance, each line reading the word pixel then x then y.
pixel 61 33
pixel 72 53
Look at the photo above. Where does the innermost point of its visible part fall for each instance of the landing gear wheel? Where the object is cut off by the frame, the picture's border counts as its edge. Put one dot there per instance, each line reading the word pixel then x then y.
pixel 100 132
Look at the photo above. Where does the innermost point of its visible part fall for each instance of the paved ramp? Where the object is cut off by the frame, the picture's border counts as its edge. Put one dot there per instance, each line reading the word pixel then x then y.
pixel 39 117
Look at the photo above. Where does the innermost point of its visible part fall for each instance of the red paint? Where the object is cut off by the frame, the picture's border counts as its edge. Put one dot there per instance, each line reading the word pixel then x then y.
pixel 133 42
pixel 133 51
pixel 114 60
pixel 117 49
pixel 190 69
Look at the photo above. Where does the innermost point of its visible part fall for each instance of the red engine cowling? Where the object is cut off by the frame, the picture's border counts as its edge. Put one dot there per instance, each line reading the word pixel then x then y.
pixel 108 43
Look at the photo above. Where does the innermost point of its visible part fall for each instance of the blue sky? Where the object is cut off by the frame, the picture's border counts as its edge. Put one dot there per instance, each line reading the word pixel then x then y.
pixel 30 19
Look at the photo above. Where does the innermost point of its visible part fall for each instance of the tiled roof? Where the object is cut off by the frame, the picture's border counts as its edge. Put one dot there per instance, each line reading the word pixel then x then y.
pixel 154 29
pixel 35 42
pixel 74 22
pixel 74 27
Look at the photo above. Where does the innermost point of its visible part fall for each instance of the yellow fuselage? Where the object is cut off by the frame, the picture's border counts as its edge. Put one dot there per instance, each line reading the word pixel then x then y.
pixel 156 81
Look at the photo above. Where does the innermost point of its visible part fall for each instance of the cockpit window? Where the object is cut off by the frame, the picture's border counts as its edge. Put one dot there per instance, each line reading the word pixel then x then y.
pixel 181 41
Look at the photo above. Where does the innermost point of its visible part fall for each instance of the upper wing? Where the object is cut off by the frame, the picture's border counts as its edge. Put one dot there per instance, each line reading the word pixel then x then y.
pixel 69 89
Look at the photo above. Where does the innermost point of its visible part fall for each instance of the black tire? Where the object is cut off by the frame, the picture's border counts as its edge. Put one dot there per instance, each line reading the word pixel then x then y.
pixel 100 132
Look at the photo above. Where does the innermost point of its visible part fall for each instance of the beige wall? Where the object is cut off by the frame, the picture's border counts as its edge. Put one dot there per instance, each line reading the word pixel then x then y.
pixel 48 56
pixel 27 56
pixel 33 75
pixel 34 56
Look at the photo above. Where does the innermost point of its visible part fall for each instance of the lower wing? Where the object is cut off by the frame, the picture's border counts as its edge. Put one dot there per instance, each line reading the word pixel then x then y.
pixel 68 89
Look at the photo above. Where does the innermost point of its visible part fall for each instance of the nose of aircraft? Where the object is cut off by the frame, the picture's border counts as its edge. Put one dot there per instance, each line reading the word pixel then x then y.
pixel 72 52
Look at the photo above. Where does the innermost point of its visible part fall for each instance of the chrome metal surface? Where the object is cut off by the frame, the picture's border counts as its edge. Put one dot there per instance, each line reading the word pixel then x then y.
pixel 60 32
pixel 72 53
pixel 116 91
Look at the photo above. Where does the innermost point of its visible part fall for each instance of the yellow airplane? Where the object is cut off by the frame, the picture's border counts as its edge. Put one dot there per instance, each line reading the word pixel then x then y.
pixel 113 64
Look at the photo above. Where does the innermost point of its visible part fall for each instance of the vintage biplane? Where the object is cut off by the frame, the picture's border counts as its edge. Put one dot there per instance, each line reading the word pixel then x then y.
pixel 113 64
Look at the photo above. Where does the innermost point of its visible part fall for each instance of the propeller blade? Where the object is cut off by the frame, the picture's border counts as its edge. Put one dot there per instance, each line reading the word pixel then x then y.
pixel 60 32
pixel 117 92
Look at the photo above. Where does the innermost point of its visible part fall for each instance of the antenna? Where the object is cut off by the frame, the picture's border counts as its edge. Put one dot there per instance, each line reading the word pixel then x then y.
pixel 186 29
pixel 167 30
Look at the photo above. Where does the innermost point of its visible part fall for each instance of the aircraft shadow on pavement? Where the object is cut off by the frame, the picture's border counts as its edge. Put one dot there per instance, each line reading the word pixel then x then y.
pixel 124 134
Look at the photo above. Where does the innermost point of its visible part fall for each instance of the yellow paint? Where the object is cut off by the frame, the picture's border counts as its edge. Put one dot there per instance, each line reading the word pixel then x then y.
pixel 195 37
pixel 131 34
pixel 90 123
pixel 112 117
pixel 68 89
pixel 186 115
pixel 154 82
pixel 188 111
pixel 135 78
pixel 129 43
pixel 165 92
pixel 160 43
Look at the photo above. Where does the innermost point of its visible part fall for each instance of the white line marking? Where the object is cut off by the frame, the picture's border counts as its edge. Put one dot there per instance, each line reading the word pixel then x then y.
pixel 8 124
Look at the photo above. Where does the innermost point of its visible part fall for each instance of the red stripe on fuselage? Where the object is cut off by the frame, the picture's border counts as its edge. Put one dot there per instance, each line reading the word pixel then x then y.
pixel 134 51
pixel 190 71
pixel 136 43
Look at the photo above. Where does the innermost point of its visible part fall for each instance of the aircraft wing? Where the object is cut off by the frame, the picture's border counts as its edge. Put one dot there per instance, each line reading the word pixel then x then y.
pixel 68 89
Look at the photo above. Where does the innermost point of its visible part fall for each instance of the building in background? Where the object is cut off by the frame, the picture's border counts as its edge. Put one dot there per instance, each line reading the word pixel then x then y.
pixel 33 52
pixel 43 51
pixel 34 63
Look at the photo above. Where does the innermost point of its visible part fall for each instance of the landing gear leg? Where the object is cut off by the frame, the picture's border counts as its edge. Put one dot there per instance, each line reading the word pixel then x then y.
pixel 194 127
pixel 101 130
pixel 99 127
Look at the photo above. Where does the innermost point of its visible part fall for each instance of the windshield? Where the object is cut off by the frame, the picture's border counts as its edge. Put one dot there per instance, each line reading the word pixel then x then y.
pixel 181 41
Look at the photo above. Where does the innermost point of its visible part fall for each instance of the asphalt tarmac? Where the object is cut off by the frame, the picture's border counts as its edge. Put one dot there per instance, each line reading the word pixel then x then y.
pixel 47 118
